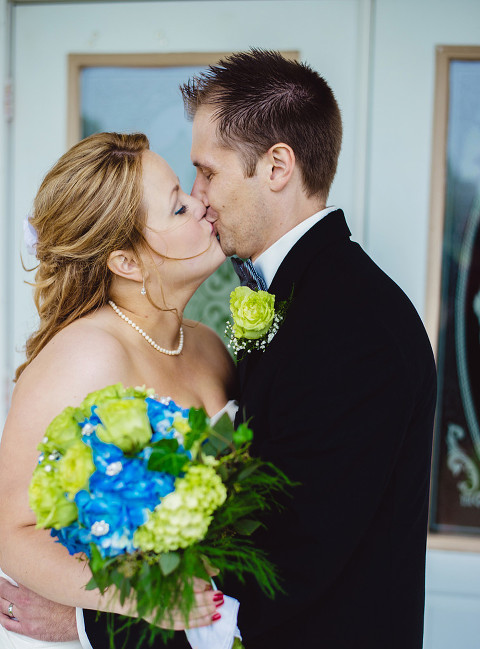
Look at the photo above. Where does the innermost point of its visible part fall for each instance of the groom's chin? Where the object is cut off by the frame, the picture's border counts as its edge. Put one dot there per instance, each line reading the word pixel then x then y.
pixel 226 246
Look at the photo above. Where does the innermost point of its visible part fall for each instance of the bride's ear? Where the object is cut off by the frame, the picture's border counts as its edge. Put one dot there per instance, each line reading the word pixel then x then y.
pixel 123 264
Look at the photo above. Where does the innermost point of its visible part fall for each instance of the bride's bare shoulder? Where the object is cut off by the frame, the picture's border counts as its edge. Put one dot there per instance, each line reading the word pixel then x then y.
pixel 209 348
pixel 205 337
pixel 82 357
pixel 85 341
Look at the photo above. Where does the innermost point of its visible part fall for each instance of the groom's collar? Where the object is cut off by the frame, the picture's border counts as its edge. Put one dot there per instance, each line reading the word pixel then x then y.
pixel 269 261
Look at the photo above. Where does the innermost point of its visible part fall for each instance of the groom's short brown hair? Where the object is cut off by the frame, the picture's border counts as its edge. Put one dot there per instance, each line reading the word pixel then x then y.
pixel 261 98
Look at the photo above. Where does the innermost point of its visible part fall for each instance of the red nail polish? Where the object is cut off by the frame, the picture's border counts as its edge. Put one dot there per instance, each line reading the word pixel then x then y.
pixel 218 596
pixel 216 617
pixel 220 603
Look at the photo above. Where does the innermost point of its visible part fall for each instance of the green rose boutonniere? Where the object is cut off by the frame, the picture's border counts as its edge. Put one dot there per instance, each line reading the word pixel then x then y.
pixel 255 319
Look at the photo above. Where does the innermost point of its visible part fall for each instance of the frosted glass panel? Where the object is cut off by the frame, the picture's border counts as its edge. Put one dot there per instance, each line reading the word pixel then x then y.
pixel 147 100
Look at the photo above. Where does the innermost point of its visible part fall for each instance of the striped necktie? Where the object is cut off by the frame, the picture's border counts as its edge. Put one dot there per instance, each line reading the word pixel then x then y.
pixel 248 275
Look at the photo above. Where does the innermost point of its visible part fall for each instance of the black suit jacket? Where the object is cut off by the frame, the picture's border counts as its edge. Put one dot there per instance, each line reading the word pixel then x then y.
pixel 343 401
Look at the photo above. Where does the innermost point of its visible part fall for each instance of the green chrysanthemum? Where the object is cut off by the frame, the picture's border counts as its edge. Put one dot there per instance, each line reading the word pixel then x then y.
pixel 184 515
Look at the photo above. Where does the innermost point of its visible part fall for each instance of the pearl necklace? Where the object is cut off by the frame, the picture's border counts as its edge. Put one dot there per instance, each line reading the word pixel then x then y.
pixel 169 352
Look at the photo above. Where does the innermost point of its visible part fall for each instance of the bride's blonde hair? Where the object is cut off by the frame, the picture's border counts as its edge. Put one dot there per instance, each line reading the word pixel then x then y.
pixel 88 205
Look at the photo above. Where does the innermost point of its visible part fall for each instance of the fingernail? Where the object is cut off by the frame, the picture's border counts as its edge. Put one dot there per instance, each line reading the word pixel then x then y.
pixel 217 596
pixel 216 617
pixel 220 603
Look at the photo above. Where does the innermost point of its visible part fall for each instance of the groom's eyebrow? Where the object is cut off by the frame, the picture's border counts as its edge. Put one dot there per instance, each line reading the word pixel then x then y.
pixel 202 166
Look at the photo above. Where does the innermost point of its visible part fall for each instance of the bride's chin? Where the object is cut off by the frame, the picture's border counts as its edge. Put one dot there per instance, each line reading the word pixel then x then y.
pixel 215 265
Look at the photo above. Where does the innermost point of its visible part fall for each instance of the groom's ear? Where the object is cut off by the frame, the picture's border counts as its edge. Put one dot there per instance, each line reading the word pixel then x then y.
pixel 123 264
pixel 281 161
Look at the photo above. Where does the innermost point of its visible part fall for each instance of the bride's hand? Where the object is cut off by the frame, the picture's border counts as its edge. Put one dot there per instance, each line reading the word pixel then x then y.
pixel 204 612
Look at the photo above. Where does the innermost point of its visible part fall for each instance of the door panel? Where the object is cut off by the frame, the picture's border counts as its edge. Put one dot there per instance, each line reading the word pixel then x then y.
pixel 46 34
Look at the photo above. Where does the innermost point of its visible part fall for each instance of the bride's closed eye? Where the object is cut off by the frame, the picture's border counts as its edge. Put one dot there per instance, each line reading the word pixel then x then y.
pixel 182 210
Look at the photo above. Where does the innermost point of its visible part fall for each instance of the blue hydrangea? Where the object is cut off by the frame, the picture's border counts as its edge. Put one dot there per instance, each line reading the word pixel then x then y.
pixel 161 416
pixel 121 492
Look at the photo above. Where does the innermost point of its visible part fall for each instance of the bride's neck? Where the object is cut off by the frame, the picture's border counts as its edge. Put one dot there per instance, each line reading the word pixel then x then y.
pixel 160 321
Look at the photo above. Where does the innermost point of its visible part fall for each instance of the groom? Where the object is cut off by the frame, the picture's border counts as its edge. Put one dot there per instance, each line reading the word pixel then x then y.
pixel 343 397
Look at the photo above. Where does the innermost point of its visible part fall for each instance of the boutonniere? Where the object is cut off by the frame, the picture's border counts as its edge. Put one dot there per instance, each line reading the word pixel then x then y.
pixel 256 319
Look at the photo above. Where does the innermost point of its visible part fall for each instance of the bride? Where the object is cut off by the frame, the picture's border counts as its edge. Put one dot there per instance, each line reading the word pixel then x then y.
pixel 121 250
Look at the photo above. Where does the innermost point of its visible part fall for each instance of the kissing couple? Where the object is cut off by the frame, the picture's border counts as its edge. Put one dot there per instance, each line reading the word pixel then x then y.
pixel 341 398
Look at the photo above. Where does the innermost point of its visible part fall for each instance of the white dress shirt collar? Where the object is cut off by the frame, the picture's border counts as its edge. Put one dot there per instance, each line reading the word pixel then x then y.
pixel 269 261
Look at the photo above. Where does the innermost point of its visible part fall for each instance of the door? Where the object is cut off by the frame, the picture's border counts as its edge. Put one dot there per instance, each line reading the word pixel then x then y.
pixel 46 34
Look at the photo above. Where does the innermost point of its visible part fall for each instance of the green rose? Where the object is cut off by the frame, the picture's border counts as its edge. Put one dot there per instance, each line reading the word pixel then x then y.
pixel 99 397
pixel 252 311
pixel 75 468
pixel 62 432
pixel 47 498
pixel 125 423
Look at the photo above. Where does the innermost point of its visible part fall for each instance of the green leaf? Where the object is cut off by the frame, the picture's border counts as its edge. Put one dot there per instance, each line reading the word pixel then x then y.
pixel 92 584
pixel 124 590
pixel 246 526
pixel 220 436
pixel 118 579
pixel 169 561
pixel 249 469
pixel 223 472
pixel 224 427
pixel 165 445
pixel 97 562
pixel 197 419
pixel 217 444
pixel 242 435
pixel 237 644
pixel 191 437
pixel 209 449
pixel 169 463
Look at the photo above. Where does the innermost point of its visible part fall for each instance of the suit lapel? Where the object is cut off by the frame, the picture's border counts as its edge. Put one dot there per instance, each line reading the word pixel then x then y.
pixel 306 250
pixel 309 247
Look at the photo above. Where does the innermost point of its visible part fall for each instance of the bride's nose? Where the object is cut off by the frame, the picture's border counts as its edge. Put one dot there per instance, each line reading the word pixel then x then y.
pixel 198 191
pixel 197 207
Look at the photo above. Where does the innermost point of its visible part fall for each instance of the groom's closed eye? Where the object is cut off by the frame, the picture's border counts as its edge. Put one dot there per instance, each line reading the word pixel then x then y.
pixel 207 172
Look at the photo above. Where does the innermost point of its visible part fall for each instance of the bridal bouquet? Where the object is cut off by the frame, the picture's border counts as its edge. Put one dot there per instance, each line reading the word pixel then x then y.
pixel 152 495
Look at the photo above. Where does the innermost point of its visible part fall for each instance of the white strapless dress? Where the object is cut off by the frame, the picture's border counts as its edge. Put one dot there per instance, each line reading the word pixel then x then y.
pixel 10 640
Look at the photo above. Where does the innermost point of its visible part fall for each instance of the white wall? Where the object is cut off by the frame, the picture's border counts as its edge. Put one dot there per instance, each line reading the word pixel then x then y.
pixel 4 64
pixel 452 608
pixel 406 34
